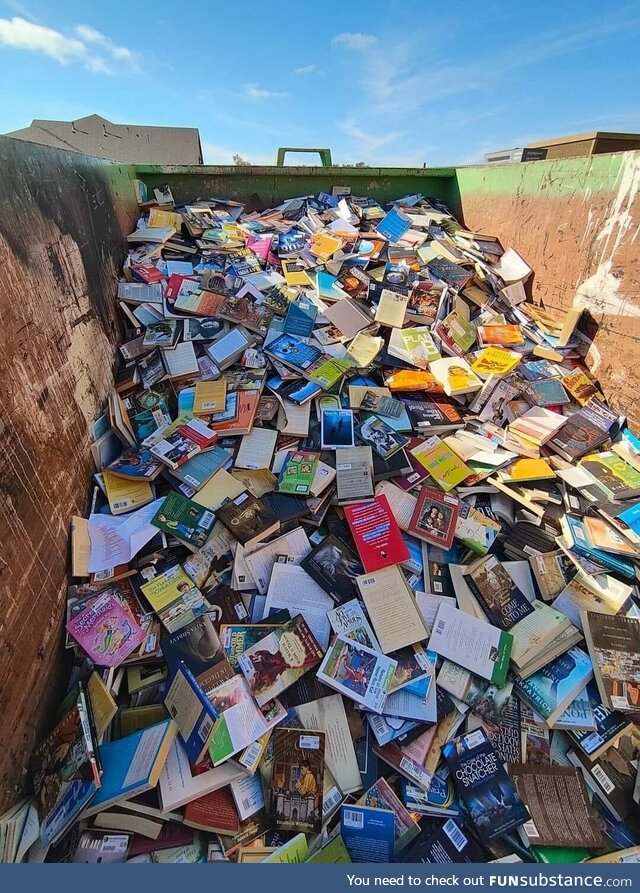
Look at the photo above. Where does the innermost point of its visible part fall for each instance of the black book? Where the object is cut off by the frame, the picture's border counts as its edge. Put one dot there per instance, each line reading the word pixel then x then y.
pixel 448 845
pixel 488 795
pixel 286 508
pixel 248 518
pixel 334 566
pixel 610 725
pixel 393 467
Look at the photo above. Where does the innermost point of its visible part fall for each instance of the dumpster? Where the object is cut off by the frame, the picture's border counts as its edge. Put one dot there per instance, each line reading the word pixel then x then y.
pixel 63 228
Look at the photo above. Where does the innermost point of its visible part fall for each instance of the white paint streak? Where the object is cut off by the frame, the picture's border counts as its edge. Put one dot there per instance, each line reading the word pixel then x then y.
pixel 599 292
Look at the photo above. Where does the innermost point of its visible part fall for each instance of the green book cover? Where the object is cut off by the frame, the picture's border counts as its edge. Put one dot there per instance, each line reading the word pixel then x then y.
pixel 297 473
pixel 294 851
pixel 335 851
pixel 184 519
pixel 559 854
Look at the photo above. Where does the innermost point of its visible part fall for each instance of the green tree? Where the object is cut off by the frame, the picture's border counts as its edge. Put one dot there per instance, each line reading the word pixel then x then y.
pixel 239 161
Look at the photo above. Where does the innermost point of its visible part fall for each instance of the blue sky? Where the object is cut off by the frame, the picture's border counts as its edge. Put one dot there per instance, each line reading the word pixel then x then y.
pixel 386 83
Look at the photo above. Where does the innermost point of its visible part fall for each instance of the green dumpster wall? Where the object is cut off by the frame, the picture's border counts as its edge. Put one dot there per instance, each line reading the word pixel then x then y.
pixel 63 221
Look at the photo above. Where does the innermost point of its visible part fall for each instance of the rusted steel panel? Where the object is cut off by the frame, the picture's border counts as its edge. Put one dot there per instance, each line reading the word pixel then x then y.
pixel 62 220
pixel 578 228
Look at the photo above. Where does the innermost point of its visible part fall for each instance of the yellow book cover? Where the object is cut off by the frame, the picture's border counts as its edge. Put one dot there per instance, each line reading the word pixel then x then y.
pixel 126 495
pixel 495 361
pixel 209 397
pixel 529 470
pixel 391 309
pixel 364 349
pixel 295 273
pixel 323 245
pixel 167 588
pixel 293 852
pixel 103 706
pixel 447 469
pixel 218 488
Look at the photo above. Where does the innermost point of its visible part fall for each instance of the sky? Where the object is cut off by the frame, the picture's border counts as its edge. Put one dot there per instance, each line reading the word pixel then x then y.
pixel 391 84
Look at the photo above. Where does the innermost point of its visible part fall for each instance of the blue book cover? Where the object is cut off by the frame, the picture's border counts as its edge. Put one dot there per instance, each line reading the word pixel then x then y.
pixel 486 792
pixel 196 471
pixel 293 352
pixel 368 833
pixel 193 713
pixel 300 318
pixel 133 764
pixel 394 225
pixel 550 691
pixel 580 544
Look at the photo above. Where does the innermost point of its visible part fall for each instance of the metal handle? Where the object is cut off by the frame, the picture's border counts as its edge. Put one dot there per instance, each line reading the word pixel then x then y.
pixel 325 155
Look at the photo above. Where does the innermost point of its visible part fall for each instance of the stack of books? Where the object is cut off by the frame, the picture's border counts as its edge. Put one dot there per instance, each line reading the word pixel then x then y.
pixel 359 578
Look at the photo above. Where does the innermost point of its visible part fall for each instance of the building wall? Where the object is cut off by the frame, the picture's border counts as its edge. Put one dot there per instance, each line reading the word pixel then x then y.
pixel 62 220
pixel 576 222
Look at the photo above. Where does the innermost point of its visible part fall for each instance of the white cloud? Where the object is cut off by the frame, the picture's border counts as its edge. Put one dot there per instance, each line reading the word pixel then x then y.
pixel 354 40
pixel 307 69
pixel 19 34
pixel 255 91
pixel 366 143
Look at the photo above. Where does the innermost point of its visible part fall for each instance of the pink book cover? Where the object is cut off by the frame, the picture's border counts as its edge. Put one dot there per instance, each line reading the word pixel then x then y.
pixel 107 631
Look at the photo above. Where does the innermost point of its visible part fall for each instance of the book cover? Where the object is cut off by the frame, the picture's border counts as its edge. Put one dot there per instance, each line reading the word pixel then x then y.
pixel 294 798
pixel 382 796
pixel 455 376
pixel 392 607
pixel 376 534
pixel 380 436
pixel 485 790
pixel 334 852
pixel 106 630
pixel 248 518
pixel 236 638
pixel 133 764
pixel 349 620
pixel 368 833
pixel 444 466
pixel 610 726
pixel 66 771
pixel 297 473
pixel 614 647
pixel 278 660
pixel 495 361
pixel 447 845
pixel 360 673
pixel 498 595
pixel 434 517
pixel 173 596
pixel 556 797
pixel 619 479
pixel 480 647
pixel 215 812
pixel 192 711
pixel 135 465
pixel 196 644
pixel 184 519
pixel 334 566
pixel 550 690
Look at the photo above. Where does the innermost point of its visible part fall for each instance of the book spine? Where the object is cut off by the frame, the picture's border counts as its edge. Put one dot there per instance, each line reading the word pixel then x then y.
pixel 501 666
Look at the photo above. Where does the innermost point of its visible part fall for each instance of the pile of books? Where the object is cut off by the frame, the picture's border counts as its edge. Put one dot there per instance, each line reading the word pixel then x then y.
pixel 359 580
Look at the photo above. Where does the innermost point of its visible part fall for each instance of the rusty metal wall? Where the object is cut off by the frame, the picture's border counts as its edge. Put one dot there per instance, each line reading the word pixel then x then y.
pixel 62 221
pixel 577 222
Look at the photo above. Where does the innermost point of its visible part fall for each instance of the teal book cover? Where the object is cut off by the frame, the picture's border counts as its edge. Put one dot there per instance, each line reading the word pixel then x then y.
pixel 553 687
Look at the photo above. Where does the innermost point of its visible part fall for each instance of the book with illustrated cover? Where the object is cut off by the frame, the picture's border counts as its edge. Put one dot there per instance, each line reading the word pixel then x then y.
pixel 106 630
pixel 614 647
pixel 297 473
pixel 490 798
pixel 349 620
pixel 134 465
pixel 184 519
pixel 279 659
pixel 434 517
pixel 294 798
pixel 66 770
pixel 382 796
pixel 248 518
pixel 173 596
pixel 444 466
pixel 334 566
pixel 360 673
pixel 498 595
pixel 610 726
pixel 617 478
pixel 240 721
pixel 550 690
pixel 236 638
pixel 193 713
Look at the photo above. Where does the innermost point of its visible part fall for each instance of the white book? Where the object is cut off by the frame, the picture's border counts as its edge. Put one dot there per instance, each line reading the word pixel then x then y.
pixel 401 502
pixel 292 588
pixel 329 716
pixel 295 545
pixel 178 786
pixel 256 449
pixel 180 360
pixel 477 646
pixel 350 620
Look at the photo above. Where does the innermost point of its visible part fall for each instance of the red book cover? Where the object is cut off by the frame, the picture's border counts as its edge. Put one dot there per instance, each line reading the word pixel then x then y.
pixel 173 285
pixel 434 517
pixel 376 534
pixel 214 812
